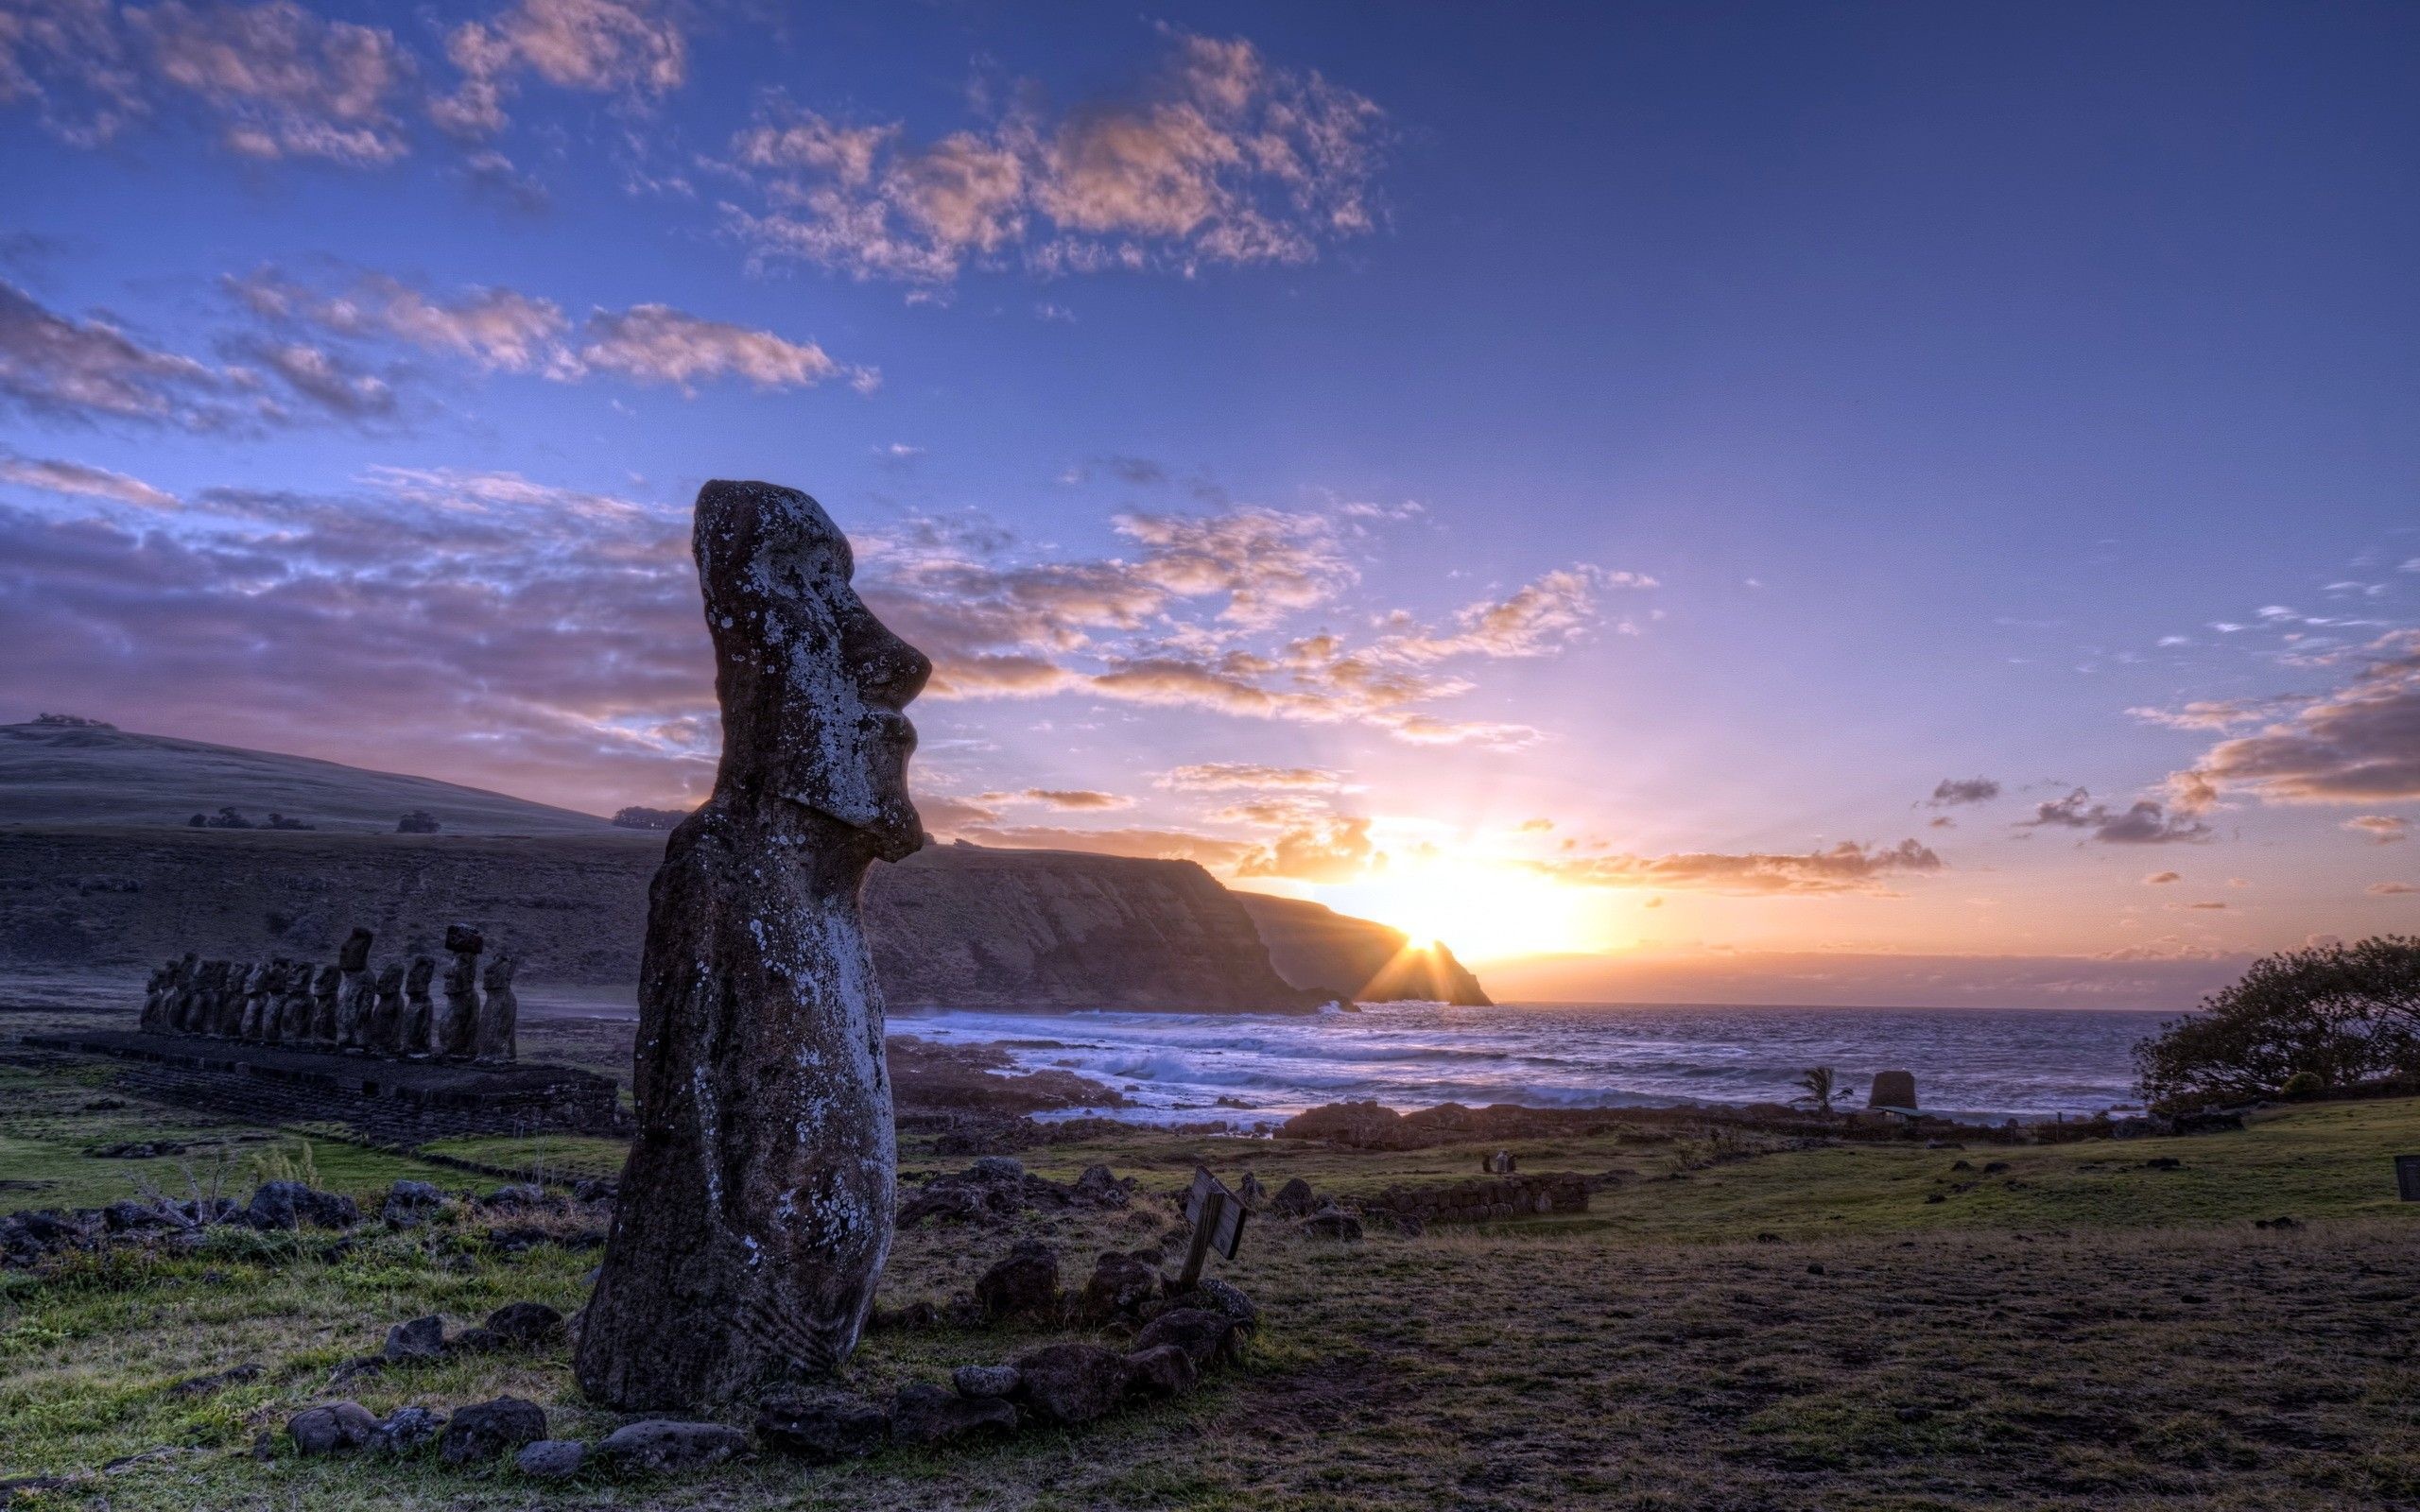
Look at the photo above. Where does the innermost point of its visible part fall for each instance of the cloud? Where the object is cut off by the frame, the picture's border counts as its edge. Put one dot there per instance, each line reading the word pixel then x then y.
pixel 1535 620
pixel 503 330
pixel 627 48
pixel 1213 777
pixel 655 343
pixel 271 81
pixel 2390 889
pixel 1219 158
pixel 1848 866
pixel 77 480
pixel 2379 829
pixel 280 82
pixel 2358 744
pixel 2161 879
pixel 2144 822
pixel 1062 798
pixel 1336 850
pixel 57 367
pixel 1955 790
pixel 2208 907
pixel 2219 714
pixel 329 380
pixel 480 627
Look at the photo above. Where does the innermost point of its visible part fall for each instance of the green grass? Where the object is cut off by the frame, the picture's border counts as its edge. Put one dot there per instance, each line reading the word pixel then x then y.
pixel 2077 1331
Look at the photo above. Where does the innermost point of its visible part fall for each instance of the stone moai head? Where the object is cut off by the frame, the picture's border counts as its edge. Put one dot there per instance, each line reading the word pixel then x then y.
pixel 423 968
pixel 328 980
pixel 498 975
pixel 353 955
pixel 461 939
pixel 390 978
pixel 812 685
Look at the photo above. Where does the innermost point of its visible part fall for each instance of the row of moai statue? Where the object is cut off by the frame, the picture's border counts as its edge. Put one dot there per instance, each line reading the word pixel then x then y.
pixel 344 1007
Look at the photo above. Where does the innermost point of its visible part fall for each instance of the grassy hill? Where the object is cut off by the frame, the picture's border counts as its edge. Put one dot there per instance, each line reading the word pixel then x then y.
pixel 71 774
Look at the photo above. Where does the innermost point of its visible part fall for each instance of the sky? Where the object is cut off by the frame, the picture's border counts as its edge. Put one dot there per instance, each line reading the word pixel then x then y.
pixel 1850 499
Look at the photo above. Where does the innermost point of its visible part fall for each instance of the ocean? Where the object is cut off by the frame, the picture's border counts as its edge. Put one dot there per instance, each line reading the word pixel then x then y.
pixel 1254 1071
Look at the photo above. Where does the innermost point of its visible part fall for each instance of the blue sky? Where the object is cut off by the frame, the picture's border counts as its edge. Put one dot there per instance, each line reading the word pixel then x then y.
pixel 1325 441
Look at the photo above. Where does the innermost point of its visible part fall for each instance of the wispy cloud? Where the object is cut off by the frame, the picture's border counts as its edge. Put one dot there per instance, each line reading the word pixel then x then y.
pixel 2145 821
pixel 2358 744
pixel 2380 828
pixel 75 480
pixel 1848 866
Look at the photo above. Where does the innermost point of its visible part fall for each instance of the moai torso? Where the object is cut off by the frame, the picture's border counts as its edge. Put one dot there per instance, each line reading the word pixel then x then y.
pixel 385 1035
pixel 257 998
pixel 324 1005
pixel 458 1029
pixel 415 1037
pixel 499 1011
pixel 294 1003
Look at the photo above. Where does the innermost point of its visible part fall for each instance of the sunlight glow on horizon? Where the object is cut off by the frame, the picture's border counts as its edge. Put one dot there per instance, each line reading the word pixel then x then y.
pixel 1479 910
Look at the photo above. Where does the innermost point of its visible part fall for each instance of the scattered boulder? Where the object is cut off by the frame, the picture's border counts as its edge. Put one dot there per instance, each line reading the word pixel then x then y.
pixel 478 1341
pixel 409 1204
pixel 825 1429
pixel 405 1428
pixel 659 1446
pixel 517 1196
pixel 1205 1336
pixel 1098 1188
pixel 1070 1384
pixel 1161 1371
pixel 1024 1285
pixel 985 1380
pixel 1332 1222
pixel 527 1325
pixel 331 1428
pixel 1121 1284
pixel 490 1428
pixel 1294 1199
pixel 926 1414
pixel 551 1459
pixel 1994 1167
pixel 1356 1126
pixel 292 1205
pixel 423 1338
pixel 998 1168
pixel 1225 1297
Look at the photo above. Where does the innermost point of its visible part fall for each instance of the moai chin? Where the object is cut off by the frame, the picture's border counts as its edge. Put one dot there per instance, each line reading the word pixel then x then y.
pixel 757 1204
pixel 499 1012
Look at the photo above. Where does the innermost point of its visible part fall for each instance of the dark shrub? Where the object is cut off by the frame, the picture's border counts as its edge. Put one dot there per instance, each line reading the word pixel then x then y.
pixel 636 818
pixel 2333 1014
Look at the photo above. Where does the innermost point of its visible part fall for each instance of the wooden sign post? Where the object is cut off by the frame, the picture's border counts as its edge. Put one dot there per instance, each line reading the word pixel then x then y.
pixel 1218 1218
pixel 2407 1178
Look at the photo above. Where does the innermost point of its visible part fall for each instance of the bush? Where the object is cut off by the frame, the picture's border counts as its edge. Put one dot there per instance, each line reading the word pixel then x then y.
pixel 418 821
pixel 2334 1014
pixel 2302 1084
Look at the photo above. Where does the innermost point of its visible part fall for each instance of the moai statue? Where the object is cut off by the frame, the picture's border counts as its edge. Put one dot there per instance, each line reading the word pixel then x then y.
pixel 294 1003
pixel 324 987
pixel 179 1004
pixel 416 1037
pixel 157 992
pixel 227 1009
pixel 353 990
pixel 457 1031
pixel 757 1204
pixel 207 984
pixel 499 1012
pixel 385 1035
pixel 259 993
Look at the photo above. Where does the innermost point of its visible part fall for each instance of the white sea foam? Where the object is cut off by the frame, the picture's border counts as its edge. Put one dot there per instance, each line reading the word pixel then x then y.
pixel 1255 1070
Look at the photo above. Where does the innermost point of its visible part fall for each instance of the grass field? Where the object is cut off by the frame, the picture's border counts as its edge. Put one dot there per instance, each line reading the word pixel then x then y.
pixel 1728 1328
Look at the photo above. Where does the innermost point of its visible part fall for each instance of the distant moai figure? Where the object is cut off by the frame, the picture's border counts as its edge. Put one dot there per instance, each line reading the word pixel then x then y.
pixel 415 1035
pixel 458 1031
pixel 200 1018
pixel 259 993
pixel 227 1009
pixel 157 994
pixel 324 987
pixel 179 1004
pixel 499 1012
pixel 294 1003
pixel 1892 1089
pixel 1499 1163
pixel 385 1033
pixel 353 992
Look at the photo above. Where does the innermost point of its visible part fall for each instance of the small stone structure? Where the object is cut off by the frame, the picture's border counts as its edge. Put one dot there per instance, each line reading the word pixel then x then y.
pixel 1482 1201
pixel 344 1007
pixel 757 1202
pixel 1892 1089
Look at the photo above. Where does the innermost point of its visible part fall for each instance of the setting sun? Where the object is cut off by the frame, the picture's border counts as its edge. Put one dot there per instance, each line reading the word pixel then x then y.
pixel 1481 912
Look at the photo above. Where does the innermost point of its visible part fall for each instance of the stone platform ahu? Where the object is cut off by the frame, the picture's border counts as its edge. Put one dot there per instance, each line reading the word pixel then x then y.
pixel 288 1041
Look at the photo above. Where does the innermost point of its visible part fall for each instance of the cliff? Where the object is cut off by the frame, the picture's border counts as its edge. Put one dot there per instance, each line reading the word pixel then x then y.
pixel 1338 955
pixel 955 926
